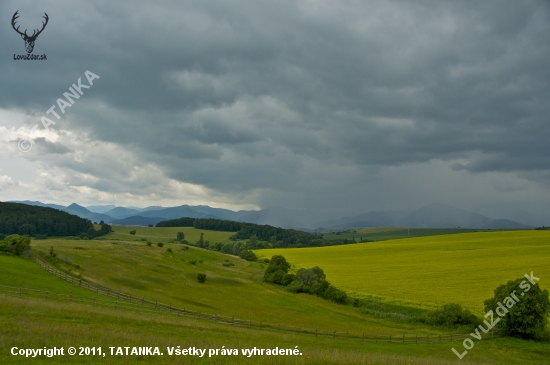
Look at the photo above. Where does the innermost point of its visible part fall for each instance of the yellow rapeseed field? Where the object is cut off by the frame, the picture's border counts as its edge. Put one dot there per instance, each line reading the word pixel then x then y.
pixel 430 271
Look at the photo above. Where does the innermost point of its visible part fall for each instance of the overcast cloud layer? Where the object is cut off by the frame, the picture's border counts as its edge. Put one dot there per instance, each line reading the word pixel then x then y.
pixel 347 106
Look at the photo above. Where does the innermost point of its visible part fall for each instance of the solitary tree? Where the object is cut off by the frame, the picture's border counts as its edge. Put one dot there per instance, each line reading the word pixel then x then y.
pixel 180 236
pixel 200 242
pixel 522 307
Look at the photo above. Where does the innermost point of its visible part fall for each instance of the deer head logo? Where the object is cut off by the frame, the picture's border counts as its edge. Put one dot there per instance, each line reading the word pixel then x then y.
pixel 29 40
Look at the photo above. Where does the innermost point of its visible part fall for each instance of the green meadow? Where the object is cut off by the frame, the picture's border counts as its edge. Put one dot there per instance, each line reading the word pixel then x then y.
pixel 429 271
pixel 396 271
pixel 234 287
pixel 164 234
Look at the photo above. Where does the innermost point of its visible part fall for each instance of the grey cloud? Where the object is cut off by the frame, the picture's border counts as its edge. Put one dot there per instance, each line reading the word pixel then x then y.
pixel 291 98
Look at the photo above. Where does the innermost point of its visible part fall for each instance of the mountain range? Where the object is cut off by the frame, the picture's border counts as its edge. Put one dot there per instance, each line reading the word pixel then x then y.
pixel 430 216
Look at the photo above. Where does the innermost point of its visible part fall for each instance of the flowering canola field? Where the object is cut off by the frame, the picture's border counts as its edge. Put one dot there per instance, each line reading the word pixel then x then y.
pixel 430 271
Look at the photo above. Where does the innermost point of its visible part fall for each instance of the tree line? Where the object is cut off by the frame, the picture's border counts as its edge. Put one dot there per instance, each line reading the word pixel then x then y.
pixel 277 237
pixel 29 220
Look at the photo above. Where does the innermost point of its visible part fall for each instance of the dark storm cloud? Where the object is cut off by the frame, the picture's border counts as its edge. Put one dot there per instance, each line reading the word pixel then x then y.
pixel 306 96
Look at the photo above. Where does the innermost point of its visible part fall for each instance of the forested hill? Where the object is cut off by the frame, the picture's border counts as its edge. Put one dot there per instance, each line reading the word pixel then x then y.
pixel 32 220
pixel 278 237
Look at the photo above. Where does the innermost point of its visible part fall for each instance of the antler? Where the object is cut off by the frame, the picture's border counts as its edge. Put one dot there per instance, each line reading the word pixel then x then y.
pixel 13 19
pixel 43 26
pixel 34 34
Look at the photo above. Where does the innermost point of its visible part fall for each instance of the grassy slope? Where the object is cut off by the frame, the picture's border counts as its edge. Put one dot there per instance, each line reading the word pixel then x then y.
pixel 23 272
pixel 37 323
pixel 463 268
pixel 154 273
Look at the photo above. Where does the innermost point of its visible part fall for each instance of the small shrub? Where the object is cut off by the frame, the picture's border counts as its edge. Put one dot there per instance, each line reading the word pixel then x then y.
pixel 356 303
pixel 201 278
pixel 336 295
pixel 451 315
pixel 266 261
pixel 133 232
pixel 169 250
pixel 180 236
pixel 200 261
pixel 149 243
pixel 160 244
pixel 52 252
pixel 192 262
pixel 16 244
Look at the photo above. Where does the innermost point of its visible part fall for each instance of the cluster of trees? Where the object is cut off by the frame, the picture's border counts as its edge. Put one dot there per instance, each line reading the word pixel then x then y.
pixel 312 281
pixel 276 237
pixel 103 230
pixel 15 244
pixel 243 250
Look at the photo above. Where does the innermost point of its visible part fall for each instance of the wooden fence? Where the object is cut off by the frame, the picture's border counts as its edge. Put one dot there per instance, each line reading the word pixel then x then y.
pixel 123 301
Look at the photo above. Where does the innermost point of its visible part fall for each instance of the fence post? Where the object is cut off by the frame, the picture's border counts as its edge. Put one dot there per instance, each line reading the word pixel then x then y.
pixel 94 302
pixel 80 282
pixel 47 292
pixel 334 334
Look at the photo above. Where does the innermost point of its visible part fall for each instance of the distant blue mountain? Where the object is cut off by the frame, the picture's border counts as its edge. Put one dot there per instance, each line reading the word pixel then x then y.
pixel 430 216
pixel 138 221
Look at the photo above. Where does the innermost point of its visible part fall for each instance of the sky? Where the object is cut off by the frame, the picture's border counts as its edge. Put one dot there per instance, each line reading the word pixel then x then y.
pixel 341 106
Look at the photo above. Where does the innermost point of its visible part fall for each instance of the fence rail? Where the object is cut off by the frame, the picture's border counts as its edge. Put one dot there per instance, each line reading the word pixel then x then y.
pixel 123 301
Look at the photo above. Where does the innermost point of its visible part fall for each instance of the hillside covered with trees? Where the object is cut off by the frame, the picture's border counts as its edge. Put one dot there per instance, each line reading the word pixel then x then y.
pixel 32 220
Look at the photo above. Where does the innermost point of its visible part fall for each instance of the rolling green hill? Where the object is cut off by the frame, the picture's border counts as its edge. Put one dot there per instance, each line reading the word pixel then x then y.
pixel 234 287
